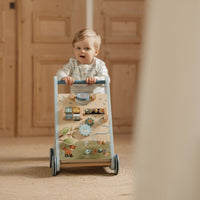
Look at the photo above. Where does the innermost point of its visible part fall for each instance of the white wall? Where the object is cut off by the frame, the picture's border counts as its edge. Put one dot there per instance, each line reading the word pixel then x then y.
pixel 168 110
pixel 89 13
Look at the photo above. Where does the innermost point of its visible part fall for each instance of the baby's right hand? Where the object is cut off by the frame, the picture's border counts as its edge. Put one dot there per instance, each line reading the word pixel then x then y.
pixel 68 80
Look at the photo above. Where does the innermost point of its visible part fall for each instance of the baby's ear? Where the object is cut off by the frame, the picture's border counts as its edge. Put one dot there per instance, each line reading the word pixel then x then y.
pixel 96 52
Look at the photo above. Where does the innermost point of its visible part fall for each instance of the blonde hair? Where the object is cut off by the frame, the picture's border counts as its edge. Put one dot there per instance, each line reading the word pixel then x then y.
pixel 86 33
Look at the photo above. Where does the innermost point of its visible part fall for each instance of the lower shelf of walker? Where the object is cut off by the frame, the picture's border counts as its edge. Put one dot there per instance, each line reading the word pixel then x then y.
pixel 85 163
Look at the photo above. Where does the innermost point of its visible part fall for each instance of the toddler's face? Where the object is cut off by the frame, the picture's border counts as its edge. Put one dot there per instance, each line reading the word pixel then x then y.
pixel 85 51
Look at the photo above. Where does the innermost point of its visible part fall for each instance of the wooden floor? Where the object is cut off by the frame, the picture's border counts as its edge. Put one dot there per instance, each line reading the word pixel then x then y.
pixel 25 173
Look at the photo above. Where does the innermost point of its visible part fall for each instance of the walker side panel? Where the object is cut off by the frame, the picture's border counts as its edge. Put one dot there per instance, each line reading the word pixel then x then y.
pixel 83 129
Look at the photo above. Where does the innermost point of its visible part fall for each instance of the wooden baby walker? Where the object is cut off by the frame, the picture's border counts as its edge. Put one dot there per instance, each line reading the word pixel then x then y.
pixel 83 129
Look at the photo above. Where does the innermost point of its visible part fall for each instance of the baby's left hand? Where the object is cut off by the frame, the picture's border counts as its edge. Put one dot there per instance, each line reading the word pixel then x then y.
pixel 90 80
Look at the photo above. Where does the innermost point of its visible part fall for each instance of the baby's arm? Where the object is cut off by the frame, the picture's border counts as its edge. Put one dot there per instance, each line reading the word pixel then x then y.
pixel 64 74
pixel 90 80
pixel 102 71
pixel 68 80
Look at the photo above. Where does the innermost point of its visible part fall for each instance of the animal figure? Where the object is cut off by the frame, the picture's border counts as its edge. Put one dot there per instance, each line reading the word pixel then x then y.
pixel 68 152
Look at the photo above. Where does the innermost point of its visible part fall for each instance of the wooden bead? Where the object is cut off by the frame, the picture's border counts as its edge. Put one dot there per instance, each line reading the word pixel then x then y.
pixel 72 96
pixel 93 97
pixel 105 118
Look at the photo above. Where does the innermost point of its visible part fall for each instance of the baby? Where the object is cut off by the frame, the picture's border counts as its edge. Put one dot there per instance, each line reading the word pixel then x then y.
pixel 85 65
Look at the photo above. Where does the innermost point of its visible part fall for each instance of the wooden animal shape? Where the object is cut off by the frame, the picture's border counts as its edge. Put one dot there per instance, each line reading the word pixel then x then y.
pixel 68 152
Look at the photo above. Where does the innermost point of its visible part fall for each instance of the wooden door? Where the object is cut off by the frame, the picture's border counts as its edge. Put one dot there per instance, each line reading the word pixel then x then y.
pixel 120 23
pixel 46 32
pixel 8 87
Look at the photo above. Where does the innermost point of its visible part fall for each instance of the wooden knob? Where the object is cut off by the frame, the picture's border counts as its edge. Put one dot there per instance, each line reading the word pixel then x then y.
pixel 105 118
pixel 72 96
pixel 93 97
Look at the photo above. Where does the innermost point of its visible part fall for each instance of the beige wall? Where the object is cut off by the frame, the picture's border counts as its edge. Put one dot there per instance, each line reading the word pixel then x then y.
pixel 168 111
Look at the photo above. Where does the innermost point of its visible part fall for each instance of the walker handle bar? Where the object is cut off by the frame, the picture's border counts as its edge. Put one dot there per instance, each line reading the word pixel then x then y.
pixel 83 82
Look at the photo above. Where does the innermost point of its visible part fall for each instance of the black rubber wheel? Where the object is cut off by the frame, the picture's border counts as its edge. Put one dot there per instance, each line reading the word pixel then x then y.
pixel 53 164
pixel 51 155
pixel 116 160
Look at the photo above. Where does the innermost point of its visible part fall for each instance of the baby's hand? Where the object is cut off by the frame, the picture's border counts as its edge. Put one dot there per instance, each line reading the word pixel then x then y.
pixel 90 80
pixel 68 80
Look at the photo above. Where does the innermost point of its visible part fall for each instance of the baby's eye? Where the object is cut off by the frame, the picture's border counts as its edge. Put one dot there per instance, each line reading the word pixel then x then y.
pixel 78 48
pixel 87 48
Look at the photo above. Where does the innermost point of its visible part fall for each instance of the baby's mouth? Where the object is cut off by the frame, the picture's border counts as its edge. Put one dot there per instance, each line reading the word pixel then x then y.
pixel 82 56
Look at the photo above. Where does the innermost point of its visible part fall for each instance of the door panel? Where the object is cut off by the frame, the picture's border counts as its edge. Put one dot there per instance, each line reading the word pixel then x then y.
pixel 47 29
pixel 120 24
pixel 7 69
pixel 44 34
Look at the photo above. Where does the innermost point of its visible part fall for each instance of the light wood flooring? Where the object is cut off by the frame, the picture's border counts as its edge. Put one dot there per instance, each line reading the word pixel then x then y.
pixel 25 173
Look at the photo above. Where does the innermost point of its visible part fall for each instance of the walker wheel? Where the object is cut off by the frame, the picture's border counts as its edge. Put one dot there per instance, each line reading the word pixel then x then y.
pixel 53 163
pixel 51 155
pixel 116 160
